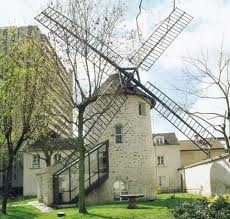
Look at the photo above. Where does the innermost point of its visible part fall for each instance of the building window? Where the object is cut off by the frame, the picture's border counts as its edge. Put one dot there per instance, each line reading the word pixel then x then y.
pixel 141 109
pixel 57 158
pixel 160 160
pixel 159 140
pixel 118 134
pixel 36 161
pixel 163 181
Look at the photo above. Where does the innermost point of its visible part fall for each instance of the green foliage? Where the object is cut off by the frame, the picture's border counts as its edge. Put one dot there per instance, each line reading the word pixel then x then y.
pixel 158 190
pixel 25 94
pixel 215 207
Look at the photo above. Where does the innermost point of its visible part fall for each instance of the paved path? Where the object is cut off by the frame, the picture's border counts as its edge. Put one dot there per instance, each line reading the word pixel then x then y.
pixel 42 207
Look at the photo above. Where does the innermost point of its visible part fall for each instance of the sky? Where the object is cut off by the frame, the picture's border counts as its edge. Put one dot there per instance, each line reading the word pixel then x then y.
pixel 209 27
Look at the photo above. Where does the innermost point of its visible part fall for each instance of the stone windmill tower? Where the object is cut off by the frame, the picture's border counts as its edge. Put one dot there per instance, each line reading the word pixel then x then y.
pixel 123 160
pixel 130 154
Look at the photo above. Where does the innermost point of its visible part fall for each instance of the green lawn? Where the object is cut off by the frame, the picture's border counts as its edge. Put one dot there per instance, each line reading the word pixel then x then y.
pixel 158 209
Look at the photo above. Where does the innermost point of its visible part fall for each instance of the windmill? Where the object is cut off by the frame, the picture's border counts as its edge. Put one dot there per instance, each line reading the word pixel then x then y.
pixel 144 58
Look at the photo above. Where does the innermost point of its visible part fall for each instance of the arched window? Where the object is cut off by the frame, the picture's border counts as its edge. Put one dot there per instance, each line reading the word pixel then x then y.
pixel 118 134
pixel 119 188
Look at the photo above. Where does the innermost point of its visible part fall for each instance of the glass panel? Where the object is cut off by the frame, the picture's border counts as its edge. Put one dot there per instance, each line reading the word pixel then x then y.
pixel 64 186
pixel 102 160
pixel 118 138
pixel 67 181
pixel 118 130
pixel 93 167
pixel 74 180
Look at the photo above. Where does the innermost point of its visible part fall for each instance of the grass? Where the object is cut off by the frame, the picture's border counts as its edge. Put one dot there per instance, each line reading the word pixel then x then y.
pixel 22 200
pixel 157 209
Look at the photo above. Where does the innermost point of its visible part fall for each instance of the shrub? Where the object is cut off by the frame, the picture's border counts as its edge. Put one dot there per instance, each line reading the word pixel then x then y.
pixel 158 190
pixel 190 209
pixel 217 207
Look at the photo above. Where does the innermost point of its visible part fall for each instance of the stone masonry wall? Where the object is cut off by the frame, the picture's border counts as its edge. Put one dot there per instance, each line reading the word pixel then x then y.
pixel 131 161
pixel 45 184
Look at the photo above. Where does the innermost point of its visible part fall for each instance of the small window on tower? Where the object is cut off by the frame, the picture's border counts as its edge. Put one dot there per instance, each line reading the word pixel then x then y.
pixel 118 134
pixel 142 110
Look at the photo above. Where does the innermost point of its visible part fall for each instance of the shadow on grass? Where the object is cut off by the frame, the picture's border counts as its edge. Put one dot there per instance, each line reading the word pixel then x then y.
pixel 167 202
pixel 20 213
pixel 101 216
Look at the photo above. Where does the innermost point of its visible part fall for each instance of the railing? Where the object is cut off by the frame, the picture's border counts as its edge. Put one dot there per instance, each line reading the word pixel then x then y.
pixel 65 180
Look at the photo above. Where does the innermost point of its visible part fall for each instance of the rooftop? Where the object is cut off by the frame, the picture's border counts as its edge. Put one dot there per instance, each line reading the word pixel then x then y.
pixel 59 143
pixel 189 145
pixel 169 138
pixel 130 89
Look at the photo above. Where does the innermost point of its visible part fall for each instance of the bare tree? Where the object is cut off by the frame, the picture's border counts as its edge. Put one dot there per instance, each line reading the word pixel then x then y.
pixel 208 81
pixel 89 70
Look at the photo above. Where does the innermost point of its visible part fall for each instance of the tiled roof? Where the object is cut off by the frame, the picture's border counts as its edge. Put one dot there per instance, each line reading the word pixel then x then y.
pixel 58 143
pixel 212 159
pixel 170 138
pixel 130 88
pixel 189 145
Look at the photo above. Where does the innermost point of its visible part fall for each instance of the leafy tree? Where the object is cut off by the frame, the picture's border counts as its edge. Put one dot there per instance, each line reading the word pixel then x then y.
pixel 24 95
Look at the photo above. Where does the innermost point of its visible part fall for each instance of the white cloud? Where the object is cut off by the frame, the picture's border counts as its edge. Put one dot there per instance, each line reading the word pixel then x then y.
pixel 20 12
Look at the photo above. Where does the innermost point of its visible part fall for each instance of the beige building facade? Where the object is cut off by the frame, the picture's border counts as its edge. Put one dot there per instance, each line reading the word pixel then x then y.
pixel 167 157
pixel 34 163
pixel 190 153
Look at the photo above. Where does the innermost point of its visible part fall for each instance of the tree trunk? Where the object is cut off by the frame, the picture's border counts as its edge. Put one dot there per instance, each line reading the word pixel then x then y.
pixel 82 207
pixel 48 161
pixel 47 153
pixel 6 186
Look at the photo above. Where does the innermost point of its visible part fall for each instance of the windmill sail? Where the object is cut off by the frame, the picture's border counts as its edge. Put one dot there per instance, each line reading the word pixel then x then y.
pixel 99 117
pixel 104 109
pixel 148 54
pixel 158 42
pixel 183 121
pixel 72 33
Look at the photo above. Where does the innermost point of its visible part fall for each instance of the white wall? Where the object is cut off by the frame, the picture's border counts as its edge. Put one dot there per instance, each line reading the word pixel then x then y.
pixel 209 177
pixel 29 175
